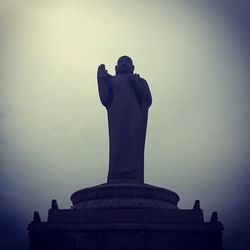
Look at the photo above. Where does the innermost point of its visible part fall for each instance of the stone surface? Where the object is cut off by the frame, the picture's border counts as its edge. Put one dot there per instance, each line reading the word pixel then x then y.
pixel 63 234
pixel 124 195
pixel 125 215
pixel 97 221
pixel 127 98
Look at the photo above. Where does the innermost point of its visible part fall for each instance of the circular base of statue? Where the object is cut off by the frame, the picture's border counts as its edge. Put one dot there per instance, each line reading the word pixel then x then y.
pixel 124 195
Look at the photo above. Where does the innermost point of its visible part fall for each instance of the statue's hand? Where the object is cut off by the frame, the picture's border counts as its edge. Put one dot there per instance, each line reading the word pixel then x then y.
pixel 102 72
pixel 134 78
pixel 104 85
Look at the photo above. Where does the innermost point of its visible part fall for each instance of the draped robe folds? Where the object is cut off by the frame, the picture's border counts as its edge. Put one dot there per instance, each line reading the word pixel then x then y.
pixel 127 119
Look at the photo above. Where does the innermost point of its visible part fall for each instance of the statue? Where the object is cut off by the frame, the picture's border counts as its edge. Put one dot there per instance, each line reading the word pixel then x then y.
pixel 214 217
pixel 197 205
pixel 127 99
pixel 54 204
pixel 36 217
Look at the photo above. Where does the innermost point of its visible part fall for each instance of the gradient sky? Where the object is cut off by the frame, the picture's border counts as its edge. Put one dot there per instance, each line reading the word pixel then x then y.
pixel 53 128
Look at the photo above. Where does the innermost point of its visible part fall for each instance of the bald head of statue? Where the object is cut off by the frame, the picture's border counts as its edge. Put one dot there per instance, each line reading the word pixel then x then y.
pixel 124 65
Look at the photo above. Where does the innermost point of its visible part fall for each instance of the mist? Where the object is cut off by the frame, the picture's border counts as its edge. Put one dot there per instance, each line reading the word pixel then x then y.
pixel 53 128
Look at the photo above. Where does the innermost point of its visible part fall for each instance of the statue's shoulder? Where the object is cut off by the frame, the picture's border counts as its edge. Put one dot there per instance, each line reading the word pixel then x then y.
pixel 143 81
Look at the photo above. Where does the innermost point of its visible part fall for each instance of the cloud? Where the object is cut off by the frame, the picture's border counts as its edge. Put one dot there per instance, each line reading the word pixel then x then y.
pixel 3 115
pixel 55 138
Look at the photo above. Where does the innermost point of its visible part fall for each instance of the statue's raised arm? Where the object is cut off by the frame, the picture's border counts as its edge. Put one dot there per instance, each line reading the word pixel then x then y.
pixel 127 98
pixel 103 80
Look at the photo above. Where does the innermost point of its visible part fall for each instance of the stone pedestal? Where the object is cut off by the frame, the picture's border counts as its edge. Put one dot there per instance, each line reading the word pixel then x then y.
pixel 125 216
pixel 124 195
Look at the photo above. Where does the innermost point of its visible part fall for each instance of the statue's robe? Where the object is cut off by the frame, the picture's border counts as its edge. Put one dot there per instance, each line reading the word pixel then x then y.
pixel 127 119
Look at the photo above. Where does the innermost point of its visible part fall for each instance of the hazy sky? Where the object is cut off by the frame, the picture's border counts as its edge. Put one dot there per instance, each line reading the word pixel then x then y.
pixel 53 128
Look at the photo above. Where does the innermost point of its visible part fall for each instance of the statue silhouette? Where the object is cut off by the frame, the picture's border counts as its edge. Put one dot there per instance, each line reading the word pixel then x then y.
pixel 127 98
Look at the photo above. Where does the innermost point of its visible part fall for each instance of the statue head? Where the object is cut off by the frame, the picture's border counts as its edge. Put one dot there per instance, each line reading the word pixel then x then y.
pixel 124 65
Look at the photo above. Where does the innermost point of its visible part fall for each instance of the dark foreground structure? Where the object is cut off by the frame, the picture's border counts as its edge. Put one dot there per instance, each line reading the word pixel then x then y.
pixel 125 213
pixel 125 217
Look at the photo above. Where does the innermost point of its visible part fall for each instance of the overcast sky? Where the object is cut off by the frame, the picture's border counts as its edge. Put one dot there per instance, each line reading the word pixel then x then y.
pixel 53 128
